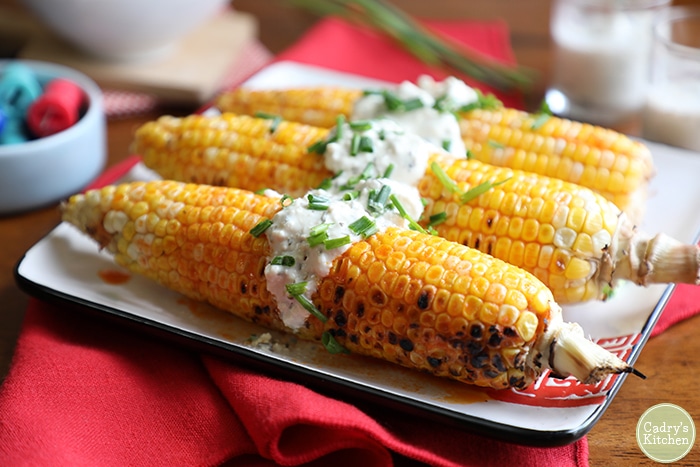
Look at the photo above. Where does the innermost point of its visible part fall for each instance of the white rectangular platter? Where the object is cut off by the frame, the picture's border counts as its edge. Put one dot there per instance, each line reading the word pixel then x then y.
pixel 66 266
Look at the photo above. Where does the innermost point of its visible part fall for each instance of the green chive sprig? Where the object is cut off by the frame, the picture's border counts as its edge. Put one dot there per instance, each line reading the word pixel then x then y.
pixel 412 224
pixel 332 243
pixel 464 196
pixel 286 261
pixel 318 203
pixel 276 120
pixel 260 227
pixel 364 227
pixel 429 47
pixel 332 345
pixel 296 291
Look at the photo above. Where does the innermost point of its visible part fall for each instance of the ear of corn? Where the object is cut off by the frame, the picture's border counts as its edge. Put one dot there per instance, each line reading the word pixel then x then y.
pixel 403 296
pixel 237 151
pixel 574 240
pixel 318 106
pixel 571 238
pixel 601 159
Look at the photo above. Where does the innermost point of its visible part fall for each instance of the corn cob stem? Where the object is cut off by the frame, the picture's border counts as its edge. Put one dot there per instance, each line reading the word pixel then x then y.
pixel 575 241
pixel 403 296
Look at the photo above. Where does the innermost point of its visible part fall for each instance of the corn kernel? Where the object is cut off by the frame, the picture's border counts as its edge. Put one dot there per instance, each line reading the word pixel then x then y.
pixel 489 313
pixel 526 325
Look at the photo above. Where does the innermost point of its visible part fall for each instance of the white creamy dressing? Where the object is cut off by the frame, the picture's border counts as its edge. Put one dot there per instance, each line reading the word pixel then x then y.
pixel 437 126
pixel 292 226
pixel 392 145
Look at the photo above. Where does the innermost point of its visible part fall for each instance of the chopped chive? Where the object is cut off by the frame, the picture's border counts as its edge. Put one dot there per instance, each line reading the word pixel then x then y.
pixel 326 183
pixel 383 195
pixel 355 145
pixel 332 243
pixel 540 120
pixel 286 200
pixel 495 144
pixel 441 104
pixel 446 144
pixel 339 122
pixel 361 125
pixel 437 218
pixel 366 173
pixel 350 195
pixel 391 100
pixel 319 147
pixel 365 144
pixel 444 179
pixel 364 226
pixel 261 191
pixel 318 203
pixel 310 307
pixel 544 108
pixel 285 260
pixel 276 119
pixel 483 101
pixel 470 154
pixel 412 104
pixel 260 227
pixel 389 170
pixel 395 104
pixel 319 229
pixel 332 345
pixel 413 225
pixel 296 288
pixel 315 240
pixel 479 190
pixel 376 201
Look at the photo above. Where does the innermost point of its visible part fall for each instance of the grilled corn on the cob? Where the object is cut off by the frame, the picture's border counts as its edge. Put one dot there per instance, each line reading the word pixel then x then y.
pixel 403 296
pixel 574 240
pixel 601 159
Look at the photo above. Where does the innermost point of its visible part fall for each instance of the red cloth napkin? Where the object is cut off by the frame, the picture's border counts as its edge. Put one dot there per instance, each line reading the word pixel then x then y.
pixel 337 45
pixel 82 391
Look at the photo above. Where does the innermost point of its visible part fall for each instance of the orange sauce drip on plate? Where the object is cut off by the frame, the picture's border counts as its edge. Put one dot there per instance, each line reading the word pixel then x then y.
pixel 113 276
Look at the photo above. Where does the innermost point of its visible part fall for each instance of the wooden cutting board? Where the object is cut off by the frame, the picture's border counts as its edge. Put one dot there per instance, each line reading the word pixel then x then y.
pixel 190 74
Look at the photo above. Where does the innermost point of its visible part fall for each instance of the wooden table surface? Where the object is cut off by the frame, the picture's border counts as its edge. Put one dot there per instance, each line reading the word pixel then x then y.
pixel 670 361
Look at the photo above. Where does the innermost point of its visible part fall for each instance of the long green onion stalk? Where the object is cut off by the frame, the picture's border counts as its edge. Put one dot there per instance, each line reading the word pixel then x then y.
pixel 421 42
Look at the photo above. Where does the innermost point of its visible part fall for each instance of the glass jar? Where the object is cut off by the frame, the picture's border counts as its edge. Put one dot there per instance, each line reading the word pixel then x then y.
pixel 602 52
pixel 672 111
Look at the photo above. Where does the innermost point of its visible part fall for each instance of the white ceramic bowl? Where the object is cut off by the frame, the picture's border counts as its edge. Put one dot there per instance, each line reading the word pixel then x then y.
pixel 42 171
pixel 124 29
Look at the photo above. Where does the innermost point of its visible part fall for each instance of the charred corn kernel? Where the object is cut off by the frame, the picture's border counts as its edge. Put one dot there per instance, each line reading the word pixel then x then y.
pixel 532 221
pixel 469 338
